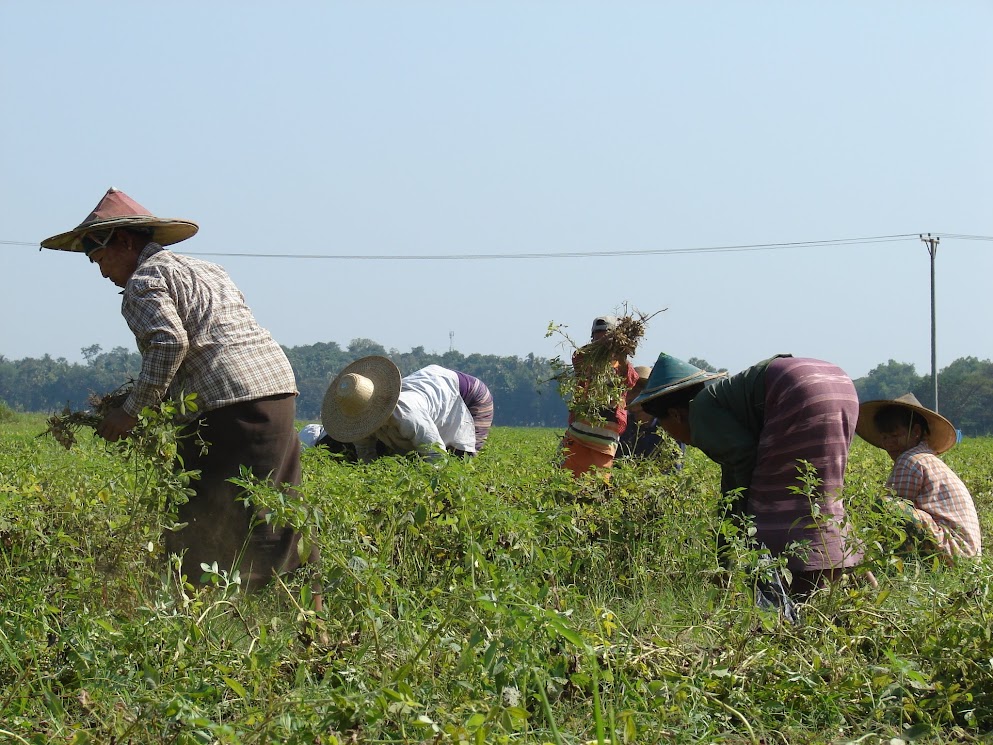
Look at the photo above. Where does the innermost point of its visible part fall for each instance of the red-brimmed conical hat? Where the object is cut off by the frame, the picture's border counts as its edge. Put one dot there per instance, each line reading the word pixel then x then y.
pixel 118 210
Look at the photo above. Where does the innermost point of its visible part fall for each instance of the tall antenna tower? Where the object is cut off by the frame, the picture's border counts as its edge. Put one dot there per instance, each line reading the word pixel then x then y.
pixel 451 341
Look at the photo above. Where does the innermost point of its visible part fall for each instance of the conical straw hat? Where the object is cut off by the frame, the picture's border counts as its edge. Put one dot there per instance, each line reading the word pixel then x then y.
pixel 941 437
pixel 644 372
pixel 361 398
pixel 670 375
pixel 117 210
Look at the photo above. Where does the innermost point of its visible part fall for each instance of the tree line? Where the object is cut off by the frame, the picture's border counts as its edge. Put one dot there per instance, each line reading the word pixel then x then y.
pixel 524 391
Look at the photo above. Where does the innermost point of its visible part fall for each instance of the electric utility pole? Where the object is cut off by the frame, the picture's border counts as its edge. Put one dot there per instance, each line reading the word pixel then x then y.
pixel 932 248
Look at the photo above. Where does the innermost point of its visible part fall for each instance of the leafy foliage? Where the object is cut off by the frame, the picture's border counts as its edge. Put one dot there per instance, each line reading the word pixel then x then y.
pixel 6 413
pixel 965 390
pixel 488 600
pixel 64 425
pixel 595 381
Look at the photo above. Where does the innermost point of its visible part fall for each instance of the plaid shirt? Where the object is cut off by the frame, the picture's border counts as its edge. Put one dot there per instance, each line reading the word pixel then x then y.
pixel 941 501
pixel 196 334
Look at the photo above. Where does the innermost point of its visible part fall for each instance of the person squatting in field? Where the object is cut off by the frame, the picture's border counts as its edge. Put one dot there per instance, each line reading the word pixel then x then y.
pixel 430 410
pixel 757 425
pixel 590 444
pixel 936 508
pixel 196 335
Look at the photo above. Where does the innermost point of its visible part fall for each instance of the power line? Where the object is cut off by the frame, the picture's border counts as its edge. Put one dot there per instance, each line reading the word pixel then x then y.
pixel 580 254
pixel 963 237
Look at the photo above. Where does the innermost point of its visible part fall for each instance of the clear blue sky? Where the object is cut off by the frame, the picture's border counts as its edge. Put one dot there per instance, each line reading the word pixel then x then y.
pixel 453 128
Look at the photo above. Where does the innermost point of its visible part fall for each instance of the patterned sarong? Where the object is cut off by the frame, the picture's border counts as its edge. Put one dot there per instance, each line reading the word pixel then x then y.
pixel 579 458
pixel 811 408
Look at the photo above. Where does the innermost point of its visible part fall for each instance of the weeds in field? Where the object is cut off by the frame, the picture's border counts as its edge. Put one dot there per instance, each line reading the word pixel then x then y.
pixel 7 414
pixel 491 600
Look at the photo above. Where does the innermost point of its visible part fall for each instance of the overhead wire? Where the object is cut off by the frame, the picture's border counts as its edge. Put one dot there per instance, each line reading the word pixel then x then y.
pixel 580 254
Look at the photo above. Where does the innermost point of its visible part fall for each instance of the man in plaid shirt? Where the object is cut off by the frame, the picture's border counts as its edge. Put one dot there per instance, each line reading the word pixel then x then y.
pixel 935 502
pixel 196 335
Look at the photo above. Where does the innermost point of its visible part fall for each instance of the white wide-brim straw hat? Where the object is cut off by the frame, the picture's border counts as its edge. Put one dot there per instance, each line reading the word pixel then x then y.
pixel 117 210
pixel 941 436
pixel 361 399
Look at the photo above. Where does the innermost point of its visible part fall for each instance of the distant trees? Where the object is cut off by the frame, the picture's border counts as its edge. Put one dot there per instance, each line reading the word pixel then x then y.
pixel 965 390
pixel 48 384
pixel 704 365
pixel 965 394
pixel 523 390
pixel 890 380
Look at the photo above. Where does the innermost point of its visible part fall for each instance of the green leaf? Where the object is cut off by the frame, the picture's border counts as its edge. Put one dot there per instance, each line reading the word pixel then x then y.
pixel 237 687
pixel 475 721
pixel 916 732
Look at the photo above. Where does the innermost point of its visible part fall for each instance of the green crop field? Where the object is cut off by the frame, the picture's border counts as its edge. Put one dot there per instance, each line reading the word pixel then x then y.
pixel 488 601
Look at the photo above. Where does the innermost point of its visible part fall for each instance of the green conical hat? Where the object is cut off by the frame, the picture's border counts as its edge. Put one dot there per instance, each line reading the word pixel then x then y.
pixel 670 375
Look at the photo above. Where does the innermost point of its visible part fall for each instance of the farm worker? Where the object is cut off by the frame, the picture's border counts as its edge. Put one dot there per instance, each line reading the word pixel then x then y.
pixel 935 505
pixel 643 437
pixel 196 335
pixel 758 425
pixel 593 444
pixel 432 409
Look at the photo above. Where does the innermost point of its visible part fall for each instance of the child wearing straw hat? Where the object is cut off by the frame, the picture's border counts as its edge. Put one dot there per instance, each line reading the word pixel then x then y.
pixel 934 502
pixel 429 411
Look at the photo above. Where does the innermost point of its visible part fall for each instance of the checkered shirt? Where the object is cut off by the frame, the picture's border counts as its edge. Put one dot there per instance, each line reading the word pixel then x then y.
pixel 196 334
pixel 940 499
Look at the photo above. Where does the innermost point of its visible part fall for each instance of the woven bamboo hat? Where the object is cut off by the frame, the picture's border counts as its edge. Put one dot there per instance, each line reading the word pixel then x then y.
pixel 361 399
pixel 670 375
pixel 941 436
pixel 117 210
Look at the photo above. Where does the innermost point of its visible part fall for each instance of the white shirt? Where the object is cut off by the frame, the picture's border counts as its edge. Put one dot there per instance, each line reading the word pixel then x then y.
pixel 429 413
pixel 310 434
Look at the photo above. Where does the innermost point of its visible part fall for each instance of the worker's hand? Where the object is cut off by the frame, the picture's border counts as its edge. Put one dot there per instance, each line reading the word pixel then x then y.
pixel 116 424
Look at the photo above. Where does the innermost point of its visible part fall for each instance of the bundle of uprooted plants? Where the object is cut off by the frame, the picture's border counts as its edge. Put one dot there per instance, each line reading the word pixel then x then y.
pixel 64 425
pixel 592 385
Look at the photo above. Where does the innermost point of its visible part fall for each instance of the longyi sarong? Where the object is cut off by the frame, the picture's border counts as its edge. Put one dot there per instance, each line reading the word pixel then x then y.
pixel 257 434
pixel 579 458
pixel 811 408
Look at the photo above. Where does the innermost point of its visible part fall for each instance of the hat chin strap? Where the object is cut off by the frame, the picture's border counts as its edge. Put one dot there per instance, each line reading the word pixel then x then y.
pixel 354 393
